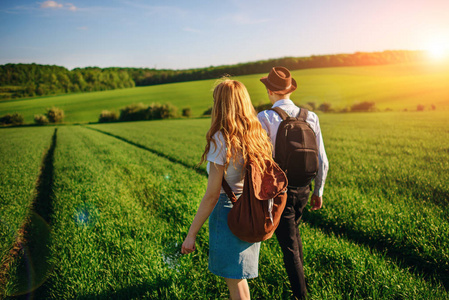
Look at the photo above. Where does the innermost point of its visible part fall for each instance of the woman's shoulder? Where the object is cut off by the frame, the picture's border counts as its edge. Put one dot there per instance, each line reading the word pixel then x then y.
pixel 218 138
pixel 218 135
pixel 217 142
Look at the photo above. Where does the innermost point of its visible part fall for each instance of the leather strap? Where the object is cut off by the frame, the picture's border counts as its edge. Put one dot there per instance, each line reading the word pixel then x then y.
pixel 280 112
pixel 228 190
pixel 302 113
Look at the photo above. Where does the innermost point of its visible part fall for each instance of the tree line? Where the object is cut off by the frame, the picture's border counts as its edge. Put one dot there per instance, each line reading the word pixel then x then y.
pixel 29 80
pixel 143 77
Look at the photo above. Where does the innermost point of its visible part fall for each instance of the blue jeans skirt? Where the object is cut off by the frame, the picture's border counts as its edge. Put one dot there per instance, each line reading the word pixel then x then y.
pixel 229 256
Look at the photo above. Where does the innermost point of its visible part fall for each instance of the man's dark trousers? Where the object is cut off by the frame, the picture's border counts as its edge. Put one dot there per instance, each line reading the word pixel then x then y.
pixel 289 239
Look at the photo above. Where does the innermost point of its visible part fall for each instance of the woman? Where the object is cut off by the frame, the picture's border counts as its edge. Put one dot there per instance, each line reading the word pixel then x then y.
pixel 234 138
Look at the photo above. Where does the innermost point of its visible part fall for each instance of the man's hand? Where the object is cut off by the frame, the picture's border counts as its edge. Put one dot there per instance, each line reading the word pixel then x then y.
pixel 316 202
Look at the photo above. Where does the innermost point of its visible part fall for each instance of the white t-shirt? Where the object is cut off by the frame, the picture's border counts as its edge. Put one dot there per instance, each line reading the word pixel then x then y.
pixel 234 175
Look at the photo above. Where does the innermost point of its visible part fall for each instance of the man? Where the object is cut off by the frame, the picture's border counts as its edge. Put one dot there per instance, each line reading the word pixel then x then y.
pixel 280 85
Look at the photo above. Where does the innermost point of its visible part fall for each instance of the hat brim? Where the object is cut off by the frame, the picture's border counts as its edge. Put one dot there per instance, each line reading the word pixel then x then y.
pixel 292 88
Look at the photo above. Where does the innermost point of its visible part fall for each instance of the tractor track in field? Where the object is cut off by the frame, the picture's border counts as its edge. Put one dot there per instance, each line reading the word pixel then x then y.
pixel 32 243
pixel 153 151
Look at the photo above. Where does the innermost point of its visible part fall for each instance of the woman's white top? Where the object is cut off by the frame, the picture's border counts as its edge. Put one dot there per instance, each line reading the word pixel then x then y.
pixel 234 175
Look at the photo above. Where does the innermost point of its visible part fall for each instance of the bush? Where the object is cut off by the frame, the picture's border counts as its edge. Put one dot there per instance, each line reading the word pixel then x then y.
pixel 55 115
pixel 40 119
pixel 187 112
pixel 140 112
pixel 207 112
pixel 164 111
pixel 11 119
pixel 168 111
pixel 306 106
pixel 134 112
pixel 153 112
pixel 325 107
pixel 108 116
pixel 420 107
pixel 363 106
pixel 312 105
pixel 433 106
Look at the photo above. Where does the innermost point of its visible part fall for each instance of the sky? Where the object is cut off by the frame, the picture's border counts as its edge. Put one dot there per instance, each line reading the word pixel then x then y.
pixel 183 34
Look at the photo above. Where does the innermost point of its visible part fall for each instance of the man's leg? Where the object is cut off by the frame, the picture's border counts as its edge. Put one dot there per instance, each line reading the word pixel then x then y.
pixel 289 239
pixel 303 198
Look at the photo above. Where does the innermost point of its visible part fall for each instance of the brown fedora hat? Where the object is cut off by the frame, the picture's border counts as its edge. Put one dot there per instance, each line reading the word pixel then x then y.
pixel 280 81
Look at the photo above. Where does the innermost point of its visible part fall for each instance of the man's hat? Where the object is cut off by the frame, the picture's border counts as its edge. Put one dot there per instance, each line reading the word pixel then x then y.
pixel 280 81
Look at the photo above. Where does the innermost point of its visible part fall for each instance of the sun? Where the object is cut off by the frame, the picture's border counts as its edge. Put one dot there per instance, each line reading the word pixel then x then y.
pixel 438 49
pixel 438 52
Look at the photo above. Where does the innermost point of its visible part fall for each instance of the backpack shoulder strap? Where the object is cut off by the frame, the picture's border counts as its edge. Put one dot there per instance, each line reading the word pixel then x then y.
pixel 228 190
pixel 303 113
pixel 280 112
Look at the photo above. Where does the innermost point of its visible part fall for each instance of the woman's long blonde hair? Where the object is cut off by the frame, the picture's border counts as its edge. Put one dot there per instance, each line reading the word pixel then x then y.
pixel 235 117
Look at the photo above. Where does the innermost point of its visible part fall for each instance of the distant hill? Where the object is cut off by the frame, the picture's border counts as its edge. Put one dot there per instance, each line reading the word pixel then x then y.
pixel 30 80
pixel 396 87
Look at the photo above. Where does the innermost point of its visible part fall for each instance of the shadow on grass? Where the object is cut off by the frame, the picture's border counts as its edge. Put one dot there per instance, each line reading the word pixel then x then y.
pixel 158 153
pixel 403 252
pixel 31 252
pixel 148 290
pixel 436 195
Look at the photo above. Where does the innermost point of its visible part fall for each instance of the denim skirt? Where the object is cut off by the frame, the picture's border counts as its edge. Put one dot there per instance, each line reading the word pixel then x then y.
pixel 229 256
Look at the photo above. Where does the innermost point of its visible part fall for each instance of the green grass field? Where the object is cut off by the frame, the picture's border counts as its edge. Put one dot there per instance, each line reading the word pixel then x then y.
pixel 395 87
pixel 99 211
pixel 123 197
pixel 21 154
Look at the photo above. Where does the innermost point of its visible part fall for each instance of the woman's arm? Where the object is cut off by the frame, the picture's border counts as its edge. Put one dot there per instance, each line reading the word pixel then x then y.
pixel 207 204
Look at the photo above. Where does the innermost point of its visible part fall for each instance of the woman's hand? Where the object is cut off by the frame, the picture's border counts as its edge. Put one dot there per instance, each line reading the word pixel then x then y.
pixel 189 245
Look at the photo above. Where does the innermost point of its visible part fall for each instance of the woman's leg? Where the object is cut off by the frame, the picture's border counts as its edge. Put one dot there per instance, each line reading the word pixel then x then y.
pixel 238 289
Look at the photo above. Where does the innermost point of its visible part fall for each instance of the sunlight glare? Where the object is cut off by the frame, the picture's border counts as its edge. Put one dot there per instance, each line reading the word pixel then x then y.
pixel 439 49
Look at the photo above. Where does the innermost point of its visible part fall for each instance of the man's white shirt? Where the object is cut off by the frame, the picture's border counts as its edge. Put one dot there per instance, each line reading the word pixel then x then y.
pixel 270 121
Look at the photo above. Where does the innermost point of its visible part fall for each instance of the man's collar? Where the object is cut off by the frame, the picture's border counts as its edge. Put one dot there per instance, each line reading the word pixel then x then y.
pixel 282 102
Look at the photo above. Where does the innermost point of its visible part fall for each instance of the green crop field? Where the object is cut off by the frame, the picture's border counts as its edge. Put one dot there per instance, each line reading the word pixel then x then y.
pixel 395 87
pixel 123 196
pixel 21 154
pixel 99 211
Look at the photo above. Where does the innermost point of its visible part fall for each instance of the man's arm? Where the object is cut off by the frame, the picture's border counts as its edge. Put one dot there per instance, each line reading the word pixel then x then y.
pixel 323 167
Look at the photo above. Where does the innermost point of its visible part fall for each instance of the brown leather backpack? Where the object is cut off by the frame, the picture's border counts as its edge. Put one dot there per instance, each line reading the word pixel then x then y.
pixel 255 215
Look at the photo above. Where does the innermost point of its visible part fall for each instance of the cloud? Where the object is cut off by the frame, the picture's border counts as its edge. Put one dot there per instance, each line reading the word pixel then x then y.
pixel 55 5
pixel 51 4
pixel 71 7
